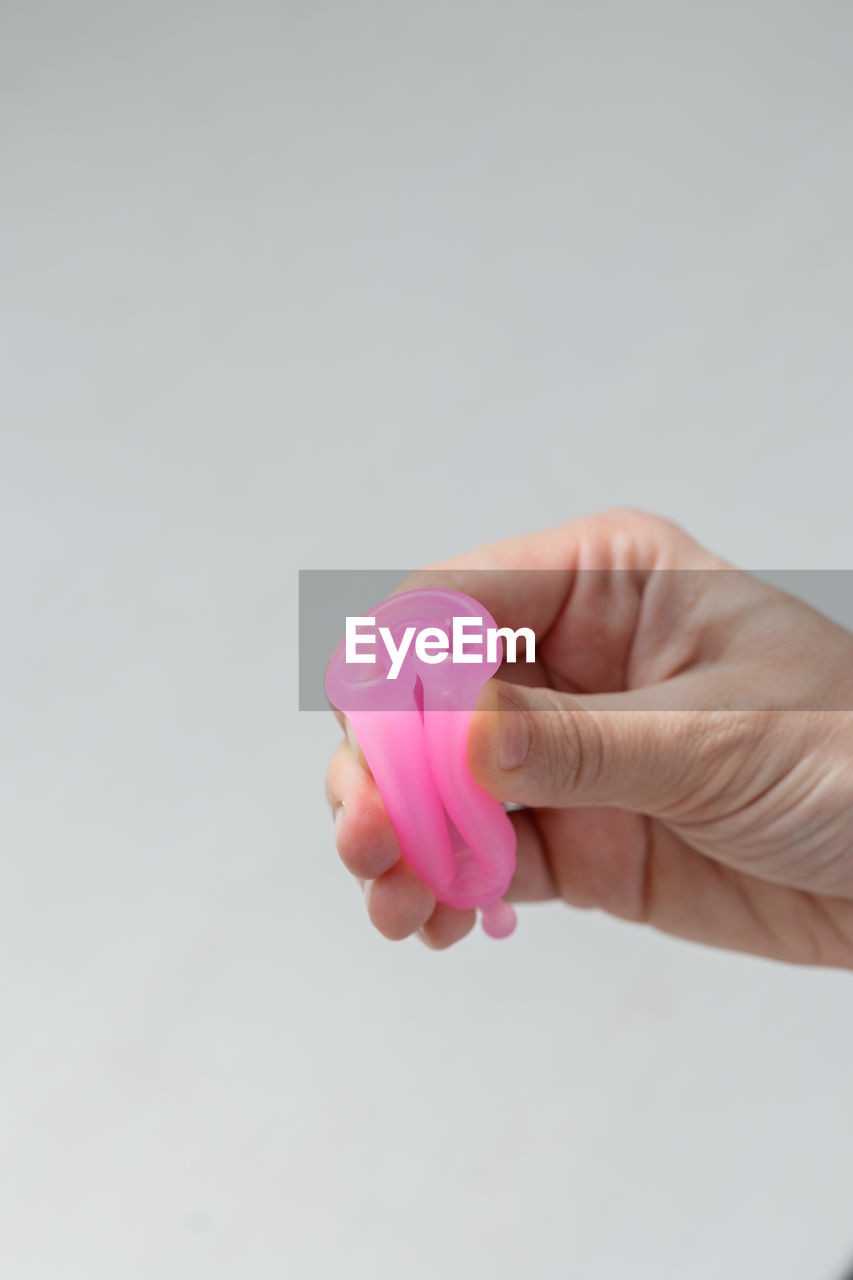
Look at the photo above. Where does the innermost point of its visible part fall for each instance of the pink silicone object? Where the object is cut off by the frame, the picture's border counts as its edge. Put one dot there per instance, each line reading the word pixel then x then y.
pixel 413 732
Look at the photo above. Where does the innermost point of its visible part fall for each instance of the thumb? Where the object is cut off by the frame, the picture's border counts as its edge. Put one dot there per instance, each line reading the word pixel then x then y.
pixel 536 746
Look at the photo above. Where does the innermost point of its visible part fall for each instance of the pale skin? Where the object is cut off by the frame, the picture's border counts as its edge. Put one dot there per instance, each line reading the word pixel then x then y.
pixel 683 752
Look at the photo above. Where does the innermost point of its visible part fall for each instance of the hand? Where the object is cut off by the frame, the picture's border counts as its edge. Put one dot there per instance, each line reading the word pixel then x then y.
pixel 683 749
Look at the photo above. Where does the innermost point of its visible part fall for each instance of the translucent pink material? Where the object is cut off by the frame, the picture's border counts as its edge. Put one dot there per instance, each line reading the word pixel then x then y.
pixel 413 731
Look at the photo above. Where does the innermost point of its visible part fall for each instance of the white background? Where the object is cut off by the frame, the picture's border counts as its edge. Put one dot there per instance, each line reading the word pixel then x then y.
pixel 360 284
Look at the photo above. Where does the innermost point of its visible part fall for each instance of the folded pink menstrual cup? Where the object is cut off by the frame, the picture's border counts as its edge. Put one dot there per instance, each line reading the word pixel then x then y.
pixel 412 725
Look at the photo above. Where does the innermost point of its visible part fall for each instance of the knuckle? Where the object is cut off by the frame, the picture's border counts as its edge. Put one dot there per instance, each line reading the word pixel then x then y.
pixel 639 518
pixel 570 745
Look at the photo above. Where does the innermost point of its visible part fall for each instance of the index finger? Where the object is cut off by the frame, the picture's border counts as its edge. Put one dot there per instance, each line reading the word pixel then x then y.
pixel 611 541
pixel 581 589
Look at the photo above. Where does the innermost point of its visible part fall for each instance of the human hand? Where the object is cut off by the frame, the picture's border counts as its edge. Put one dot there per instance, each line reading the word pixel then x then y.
pixel 683 753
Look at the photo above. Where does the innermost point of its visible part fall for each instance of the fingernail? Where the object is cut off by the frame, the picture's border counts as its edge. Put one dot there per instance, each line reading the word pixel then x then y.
pixel 338 816
pixel 513 733
pixel 367 886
